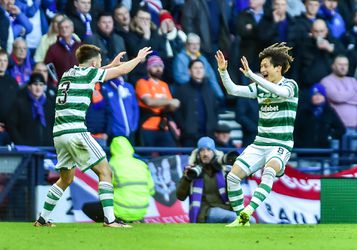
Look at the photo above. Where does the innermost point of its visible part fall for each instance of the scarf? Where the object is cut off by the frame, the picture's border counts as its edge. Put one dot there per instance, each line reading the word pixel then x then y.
pixel 86 19
pixel 37 108
pixel 67 46
pixel 196 194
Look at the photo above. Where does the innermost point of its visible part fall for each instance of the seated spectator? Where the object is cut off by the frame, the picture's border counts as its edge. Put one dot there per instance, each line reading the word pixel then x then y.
pixel 8 93
pixel 222 136
pixel 192 52
pixel 317 123
pixel 32 116
pixel 49 38
pixel 198 113
pixel 334 20
pixel 247 114
pixel 99 116
pixel 156 104
pixel 204 183
pixel 125 108
pixel 83 23
pixel 175 40
pixel 62 53
pixel 110 43
pixel 342 94
pixel 121 20
pixel 143 33
pixel 14 23
pixel 20 63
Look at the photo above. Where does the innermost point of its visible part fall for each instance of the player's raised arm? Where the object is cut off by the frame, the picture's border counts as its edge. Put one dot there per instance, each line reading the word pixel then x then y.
pixel 231 87
pixel 116 62
pixel 128 66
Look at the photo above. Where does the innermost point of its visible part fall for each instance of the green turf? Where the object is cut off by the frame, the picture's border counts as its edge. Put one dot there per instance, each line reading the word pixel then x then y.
pixel 178 236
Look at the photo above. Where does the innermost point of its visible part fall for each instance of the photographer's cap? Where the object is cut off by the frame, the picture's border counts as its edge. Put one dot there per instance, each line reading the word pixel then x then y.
pixel 206 142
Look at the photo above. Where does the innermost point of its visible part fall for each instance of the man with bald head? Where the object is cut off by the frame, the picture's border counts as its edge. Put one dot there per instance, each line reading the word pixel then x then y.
pixel 317 53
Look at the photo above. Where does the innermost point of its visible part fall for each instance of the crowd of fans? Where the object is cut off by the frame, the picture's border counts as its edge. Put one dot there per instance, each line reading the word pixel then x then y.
pixel 174 97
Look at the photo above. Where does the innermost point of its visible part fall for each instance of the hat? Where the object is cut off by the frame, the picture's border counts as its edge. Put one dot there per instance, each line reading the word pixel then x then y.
pixel 222 128
pixel 165 15
pixel 36 78
pixel 154 61
pixel 206 142
pixel 318 88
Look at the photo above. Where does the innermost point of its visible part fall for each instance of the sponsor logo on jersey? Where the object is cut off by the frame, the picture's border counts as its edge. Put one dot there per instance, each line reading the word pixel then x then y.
pixel 269 108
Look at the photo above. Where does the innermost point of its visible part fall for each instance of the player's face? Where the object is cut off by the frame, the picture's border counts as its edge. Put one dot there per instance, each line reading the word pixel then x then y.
pixel 4 61
pixel 206 155
pixel 269 72
pixel 37 89
pixel 98 61
pixel 340 66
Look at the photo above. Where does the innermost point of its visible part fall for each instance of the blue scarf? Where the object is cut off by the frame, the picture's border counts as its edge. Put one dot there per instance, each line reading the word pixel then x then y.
pixel 67 46
pixel 37 108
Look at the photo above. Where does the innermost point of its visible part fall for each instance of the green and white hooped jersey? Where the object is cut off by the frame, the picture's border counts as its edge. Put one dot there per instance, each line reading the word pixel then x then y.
pixel 74 97
pixel 276 115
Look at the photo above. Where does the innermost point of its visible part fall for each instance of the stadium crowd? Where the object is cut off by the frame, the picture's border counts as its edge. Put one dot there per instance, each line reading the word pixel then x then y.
pixel 174 98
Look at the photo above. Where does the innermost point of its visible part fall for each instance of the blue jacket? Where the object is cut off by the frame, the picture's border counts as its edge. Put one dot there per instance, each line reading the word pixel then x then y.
pixel 122 99
pixel 182 76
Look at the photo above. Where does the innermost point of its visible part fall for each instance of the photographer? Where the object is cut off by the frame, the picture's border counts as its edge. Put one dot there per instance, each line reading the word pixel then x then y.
pixel 204 182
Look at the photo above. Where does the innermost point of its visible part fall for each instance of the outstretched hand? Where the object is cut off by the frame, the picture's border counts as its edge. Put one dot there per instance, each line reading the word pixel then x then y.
pixel 245 65
pixel 117 60
pixel 221 61
pixel 143 53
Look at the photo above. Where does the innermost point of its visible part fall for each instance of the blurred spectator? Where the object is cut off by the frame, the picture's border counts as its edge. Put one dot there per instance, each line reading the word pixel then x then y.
pixel 277 27
pixel 204 183
pixel 209 21
pixel 50 87
pixel 246 26
pixel 317 123
pixel 247 114
pixel 83 23
pixel 62 53
pixel 131 202
pixel 342 93
pixel 317 54
pixel 14 23
pixel 350 42
pixel 110 43
pixel 121 20
pixel 175 40
pixel 125 108
pixel 334 20
pixel 154 7
pixel 32 116
pixel 347 8
pixel 20 63
pixel 99 116
pixel 156 104
pixel 49 38
pixel 143 33
pixel 222 136
pixel 198 113
pixel 295 7
pixel 35 11
pixel 192 52
pixel 304 22
pixel 8 93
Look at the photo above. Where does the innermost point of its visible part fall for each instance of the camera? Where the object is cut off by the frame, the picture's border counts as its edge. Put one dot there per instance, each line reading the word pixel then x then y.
pixel 228 158
pixel 194 172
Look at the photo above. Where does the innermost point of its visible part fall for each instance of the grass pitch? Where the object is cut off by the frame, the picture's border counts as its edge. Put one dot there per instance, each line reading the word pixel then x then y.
pixel 178 236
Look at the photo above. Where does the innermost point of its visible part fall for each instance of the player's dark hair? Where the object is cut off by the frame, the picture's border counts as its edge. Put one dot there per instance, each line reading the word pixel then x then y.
pixel 86 52
pixel 278 53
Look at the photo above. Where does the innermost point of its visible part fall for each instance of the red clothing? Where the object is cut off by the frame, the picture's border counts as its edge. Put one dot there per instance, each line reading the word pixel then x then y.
pixel 61 58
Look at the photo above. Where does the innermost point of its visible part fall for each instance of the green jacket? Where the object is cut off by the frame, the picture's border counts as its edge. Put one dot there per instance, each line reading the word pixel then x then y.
pixel 133 184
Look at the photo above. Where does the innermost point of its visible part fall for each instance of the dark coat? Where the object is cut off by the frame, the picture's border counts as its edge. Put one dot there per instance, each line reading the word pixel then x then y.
pixel 4 29
pixel 80 26
pixel 186 115
pixel 196 19
pixel 8 94
pixel 313 132
pixel 23 129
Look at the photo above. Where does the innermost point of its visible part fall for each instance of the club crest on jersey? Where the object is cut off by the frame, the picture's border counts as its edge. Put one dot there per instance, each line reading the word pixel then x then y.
pixel 267 95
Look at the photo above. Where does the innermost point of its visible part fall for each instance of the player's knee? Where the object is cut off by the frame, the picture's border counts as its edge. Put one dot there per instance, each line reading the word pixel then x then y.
pixel 275 164
pixel 238 171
